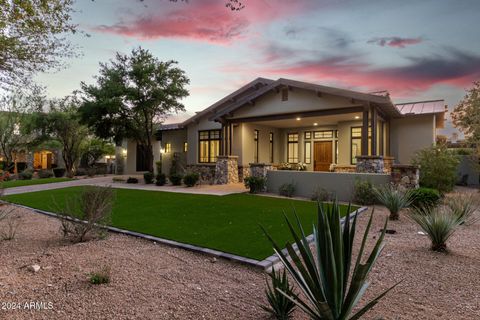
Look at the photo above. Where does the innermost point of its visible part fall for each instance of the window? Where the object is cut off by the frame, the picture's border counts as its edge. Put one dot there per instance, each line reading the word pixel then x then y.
pixel 255 147
pixel 168 147
pixel 185 147
pixel 308 152
pixel 285 94
pixel 209 146
pixel 271 147
pixel 308 135
pixel 356 142
pixel 292 148
pixel 323 134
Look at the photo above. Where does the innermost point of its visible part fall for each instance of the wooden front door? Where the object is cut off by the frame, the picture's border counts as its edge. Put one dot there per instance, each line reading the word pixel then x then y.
pixel 322 155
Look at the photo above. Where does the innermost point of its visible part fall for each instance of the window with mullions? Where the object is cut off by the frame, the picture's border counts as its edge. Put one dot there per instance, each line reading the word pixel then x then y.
pixel 168 147
pixel 308 135
pixel 356 142
pixel 209 146
pixel 326 134
pixel 292 148
pixel 308 152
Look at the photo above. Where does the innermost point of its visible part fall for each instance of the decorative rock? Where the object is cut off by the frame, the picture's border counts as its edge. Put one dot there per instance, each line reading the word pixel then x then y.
pixel 213 260
pixel 33 268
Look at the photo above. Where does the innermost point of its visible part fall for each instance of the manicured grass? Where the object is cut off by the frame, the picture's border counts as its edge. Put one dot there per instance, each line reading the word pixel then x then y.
pixel 229 223
pixel 21 183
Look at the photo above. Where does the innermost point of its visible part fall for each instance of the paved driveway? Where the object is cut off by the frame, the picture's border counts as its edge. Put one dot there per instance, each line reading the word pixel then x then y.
pixel 219 190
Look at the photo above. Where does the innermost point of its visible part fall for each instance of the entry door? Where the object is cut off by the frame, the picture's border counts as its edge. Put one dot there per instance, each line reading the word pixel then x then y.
pixel 322 155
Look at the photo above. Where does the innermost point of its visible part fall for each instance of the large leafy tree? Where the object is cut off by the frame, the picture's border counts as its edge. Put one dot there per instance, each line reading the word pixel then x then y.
pixel 132 95
pixel 33 37
pixel 466 115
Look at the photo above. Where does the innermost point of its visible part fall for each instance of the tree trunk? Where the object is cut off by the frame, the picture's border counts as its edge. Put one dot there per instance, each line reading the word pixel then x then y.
pixel 149 157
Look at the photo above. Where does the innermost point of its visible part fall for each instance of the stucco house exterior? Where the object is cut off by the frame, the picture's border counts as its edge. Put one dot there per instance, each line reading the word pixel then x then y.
pixel 285 123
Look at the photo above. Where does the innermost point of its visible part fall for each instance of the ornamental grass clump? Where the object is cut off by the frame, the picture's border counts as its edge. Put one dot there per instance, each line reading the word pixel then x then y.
pixel 464 206
pixel 280 307
pixel 438 223
pixel 330 289
pixel 394 199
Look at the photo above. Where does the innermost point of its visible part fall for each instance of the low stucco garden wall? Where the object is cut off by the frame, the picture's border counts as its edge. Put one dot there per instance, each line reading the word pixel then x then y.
pixel 341 184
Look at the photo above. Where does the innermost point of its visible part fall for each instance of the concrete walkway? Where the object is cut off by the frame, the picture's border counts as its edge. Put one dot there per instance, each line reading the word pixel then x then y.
pixel 106 181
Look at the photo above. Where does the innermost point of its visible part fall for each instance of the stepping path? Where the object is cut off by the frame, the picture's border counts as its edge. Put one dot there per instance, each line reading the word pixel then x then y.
pixel 104 181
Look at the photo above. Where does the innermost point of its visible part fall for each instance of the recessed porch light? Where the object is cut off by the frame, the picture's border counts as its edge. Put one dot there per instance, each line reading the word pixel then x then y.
pixel 315 124
pixel 357 117
pixel 298 118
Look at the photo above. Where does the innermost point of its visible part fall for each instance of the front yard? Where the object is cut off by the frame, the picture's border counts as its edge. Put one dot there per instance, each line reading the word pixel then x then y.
pixel 227 223
pixel 22 183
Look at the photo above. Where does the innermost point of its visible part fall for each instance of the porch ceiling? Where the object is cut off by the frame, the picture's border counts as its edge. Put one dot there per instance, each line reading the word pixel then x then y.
pixel 310 121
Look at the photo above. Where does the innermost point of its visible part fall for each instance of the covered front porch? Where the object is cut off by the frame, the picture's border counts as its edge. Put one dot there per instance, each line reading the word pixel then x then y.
pixel 335 140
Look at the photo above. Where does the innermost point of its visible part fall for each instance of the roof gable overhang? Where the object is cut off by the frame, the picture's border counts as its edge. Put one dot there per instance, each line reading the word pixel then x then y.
pixel 383 102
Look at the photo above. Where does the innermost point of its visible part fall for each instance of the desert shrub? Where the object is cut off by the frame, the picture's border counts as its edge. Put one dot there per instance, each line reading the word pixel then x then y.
pixel 132 180
pixel 328 274
pixel 254 184
pixel 176 179
pixel 363 192
pixel 438 168
pixel 91 171
pixel 26 174
pixel 394 199
pixel 148 177
pixel 438 223
pixel 93 207
pixel 464 206
pixel 280 307
pixel 100 277
pixel 43 174
pixel 9 222
pixel 191 179
pixel 59 172
pixel 287 189
pixel 425 197
pixel 321 194
pixel 160 179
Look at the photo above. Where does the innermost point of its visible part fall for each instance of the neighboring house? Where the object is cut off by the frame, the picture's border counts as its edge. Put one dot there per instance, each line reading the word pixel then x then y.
pixel 286 121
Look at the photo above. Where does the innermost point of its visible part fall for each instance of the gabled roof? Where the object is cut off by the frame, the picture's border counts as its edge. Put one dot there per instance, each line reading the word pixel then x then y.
pixel 244 92
pixel 421 107
pixel 381 100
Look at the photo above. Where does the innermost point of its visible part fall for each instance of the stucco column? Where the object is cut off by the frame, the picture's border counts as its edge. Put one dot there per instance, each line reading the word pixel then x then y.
pixel 120 159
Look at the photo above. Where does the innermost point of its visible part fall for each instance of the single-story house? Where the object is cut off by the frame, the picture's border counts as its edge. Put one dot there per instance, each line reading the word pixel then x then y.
pixel 291 124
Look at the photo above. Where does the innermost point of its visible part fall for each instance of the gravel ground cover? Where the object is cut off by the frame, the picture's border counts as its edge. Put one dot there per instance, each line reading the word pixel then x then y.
pixel 153 281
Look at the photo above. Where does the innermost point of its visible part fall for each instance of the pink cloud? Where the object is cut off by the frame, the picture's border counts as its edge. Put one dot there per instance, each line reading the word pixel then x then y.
pixel 396 42
pixel 456 68
pixel 206 20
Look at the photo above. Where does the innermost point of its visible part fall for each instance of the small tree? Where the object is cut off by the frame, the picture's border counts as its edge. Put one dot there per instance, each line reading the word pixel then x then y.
pixel 133 94
pixel 62 124
pixel 466 115
pixel 438 167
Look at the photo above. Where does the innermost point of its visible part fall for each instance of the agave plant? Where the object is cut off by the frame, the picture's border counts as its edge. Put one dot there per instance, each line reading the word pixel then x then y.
pixel 394 199
pixel 438 223
pixel 280 306
pixel 464 206
pixel 329 289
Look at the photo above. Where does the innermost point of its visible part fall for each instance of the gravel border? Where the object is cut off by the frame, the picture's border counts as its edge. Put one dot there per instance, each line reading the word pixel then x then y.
pixel 265 264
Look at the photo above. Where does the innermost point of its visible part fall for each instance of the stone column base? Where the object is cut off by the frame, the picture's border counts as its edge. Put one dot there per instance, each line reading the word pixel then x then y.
pixel 370 164
pixel 226 170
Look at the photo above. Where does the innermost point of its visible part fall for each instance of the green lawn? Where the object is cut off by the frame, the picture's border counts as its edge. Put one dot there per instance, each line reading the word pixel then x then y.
pixel 21 183
pixel 227 223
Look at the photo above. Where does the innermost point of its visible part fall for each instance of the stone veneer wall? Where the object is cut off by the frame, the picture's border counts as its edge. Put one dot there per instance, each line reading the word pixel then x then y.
pixel 260 170
pixel 344 168
pixel 406 176
pixel 243 172
pixel 206 172
pixel 370 164
pixel 226 170
pixel 388 163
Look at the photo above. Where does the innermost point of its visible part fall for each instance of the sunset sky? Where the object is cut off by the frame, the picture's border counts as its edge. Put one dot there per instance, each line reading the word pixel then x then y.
pixel 415 49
